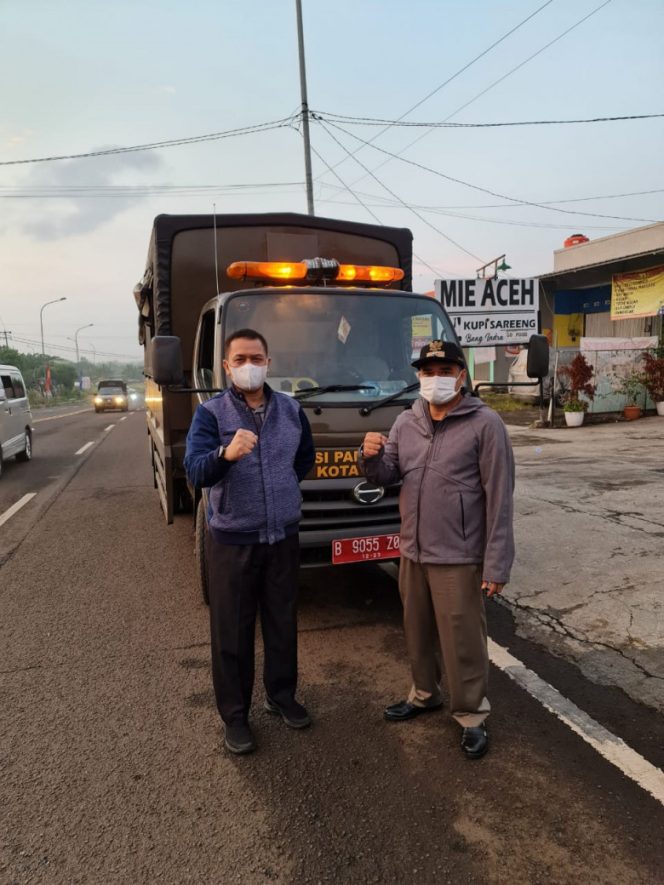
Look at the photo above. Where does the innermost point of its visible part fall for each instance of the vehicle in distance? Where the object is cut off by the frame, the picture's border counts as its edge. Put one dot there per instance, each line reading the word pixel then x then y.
pixel 111 395
pixel 15 417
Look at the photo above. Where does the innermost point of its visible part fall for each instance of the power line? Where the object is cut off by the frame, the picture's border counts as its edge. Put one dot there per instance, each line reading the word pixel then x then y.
pixel 173 142
pixel 130 188
pixel 444 124
pixel 34 342
pixel 464 217
pixel 455 75
pixel 496 82
pixel 365 207
pixel 513 205
pixel 398 198
pixel 138 192
pixel 486 190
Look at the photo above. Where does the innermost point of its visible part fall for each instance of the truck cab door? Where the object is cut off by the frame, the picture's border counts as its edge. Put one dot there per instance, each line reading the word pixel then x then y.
pixel 204 353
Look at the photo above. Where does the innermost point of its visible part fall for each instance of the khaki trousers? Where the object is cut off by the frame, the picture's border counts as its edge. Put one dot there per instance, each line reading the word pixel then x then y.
pixel 444 612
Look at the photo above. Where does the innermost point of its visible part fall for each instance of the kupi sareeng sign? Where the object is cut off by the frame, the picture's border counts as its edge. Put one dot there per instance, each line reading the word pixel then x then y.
pixel 492 311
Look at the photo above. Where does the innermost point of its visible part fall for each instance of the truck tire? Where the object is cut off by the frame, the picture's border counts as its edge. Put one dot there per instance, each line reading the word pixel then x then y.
pixel 200 538
pixel 182 502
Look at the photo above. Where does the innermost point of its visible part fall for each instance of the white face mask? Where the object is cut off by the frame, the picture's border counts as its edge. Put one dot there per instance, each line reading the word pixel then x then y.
pixel 248 377
pixel 438 389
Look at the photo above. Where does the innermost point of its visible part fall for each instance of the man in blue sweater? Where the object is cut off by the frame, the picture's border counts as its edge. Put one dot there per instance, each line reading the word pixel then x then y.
pixel 251 446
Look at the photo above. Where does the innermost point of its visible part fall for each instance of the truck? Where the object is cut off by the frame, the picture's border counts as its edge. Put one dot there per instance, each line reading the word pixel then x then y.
pixel 334 300
pixel 111 394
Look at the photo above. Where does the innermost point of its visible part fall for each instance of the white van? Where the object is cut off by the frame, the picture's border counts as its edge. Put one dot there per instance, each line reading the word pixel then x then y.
pixel 15 417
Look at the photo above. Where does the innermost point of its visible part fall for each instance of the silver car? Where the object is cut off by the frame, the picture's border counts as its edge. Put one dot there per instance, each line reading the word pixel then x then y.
pixel 15 417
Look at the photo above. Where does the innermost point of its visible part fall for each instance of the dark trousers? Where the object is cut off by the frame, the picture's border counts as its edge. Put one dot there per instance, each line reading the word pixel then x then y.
pixel 243 579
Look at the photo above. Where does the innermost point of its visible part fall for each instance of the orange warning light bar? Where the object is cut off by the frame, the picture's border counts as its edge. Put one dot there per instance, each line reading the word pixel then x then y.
pixel 315 271
pixel 267 270
pixel 357 273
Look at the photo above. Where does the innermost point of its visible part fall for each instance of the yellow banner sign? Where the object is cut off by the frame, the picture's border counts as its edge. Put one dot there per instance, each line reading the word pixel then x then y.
pixel 638 294
pixel 335 463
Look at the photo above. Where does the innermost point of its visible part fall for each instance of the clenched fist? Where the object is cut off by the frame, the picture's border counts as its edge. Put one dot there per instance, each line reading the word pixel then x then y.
pixel 373 443
pixel 242 443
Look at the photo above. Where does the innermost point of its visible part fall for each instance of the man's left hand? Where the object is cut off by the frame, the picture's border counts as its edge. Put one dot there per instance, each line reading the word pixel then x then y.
pixel 492 588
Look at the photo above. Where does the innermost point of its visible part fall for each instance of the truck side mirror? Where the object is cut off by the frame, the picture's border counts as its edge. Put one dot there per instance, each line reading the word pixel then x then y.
pixel 166 360
pixel 537 365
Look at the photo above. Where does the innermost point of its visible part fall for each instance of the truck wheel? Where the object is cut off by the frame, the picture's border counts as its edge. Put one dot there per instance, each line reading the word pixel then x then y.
pixel 182 502
pixel 199 550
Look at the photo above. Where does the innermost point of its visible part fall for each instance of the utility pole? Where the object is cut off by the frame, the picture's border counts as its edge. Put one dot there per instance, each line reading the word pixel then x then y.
pixel 6 333
pixel 305 111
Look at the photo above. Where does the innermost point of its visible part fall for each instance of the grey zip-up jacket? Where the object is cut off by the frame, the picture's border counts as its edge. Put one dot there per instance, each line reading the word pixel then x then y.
pixel 458 482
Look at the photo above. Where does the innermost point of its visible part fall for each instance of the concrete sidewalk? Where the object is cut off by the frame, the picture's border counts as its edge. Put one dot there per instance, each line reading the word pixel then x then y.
pixel 589 524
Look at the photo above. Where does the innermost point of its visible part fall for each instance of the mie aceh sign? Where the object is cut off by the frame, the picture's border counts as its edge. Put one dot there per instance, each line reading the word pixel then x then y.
pixel 492 311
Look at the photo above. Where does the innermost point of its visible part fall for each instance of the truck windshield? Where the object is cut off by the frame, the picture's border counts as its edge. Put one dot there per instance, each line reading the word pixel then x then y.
pixel 362 344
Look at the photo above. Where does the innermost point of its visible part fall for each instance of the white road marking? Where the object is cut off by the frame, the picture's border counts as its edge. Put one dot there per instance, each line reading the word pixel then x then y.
pixel 55 417
pixel 16 507
pixel 110 427
pixel 123 419
pixel 612 748
pixel 84 448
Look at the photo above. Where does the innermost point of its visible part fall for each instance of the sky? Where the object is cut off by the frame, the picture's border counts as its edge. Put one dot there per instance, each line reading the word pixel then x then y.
pixel 77 76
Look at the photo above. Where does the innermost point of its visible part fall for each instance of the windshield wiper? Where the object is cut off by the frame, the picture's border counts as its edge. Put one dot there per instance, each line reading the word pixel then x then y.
pixel 331 388
pixel 367 410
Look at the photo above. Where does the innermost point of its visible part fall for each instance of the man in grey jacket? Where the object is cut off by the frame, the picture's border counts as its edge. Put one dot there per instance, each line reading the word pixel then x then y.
pixel 454 458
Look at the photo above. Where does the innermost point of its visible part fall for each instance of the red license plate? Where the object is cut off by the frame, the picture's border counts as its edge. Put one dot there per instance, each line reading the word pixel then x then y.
pixel 365 549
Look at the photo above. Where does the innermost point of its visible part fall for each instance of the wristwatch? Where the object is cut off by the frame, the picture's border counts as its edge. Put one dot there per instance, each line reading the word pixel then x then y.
pixel 222 453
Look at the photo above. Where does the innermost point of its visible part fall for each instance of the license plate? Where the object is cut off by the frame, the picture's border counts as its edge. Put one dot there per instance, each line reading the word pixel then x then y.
pixel 365 549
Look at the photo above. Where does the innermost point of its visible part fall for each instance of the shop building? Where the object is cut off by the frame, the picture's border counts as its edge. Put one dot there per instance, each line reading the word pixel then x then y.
pixel 605 298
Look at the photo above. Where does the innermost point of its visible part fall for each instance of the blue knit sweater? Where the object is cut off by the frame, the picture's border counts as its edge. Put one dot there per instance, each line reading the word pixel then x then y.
pixel 257 499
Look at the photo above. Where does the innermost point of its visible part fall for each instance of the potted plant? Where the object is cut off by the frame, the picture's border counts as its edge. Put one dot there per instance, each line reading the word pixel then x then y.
pixel 579 375
pixel 632 386
pixel 653 377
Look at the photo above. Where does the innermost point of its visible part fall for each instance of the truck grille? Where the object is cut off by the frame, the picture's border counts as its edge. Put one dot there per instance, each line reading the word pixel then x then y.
pixel 337 509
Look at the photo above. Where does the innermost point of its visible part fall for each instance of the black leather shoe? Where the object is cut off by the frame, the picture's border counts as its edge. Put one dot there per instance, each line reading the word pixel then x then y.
pixel 238 739
pixel 293 714
pixel 475 741
pixel 405 710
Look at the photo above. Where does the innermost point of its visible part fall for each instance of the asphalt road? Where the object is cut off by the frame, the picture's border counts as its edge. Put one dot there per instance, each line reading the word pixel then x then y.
pixel 111 763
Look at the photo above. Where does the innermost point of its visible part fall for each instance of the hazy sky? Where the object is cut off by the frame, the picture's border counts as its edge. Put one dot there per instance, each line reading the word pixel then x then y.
pixel 76 75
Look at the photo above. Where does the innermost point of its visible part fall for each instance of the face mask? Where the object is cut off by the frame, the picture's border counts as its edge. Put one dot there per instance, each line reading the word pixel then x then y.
pixel 248 377
pixel 438 389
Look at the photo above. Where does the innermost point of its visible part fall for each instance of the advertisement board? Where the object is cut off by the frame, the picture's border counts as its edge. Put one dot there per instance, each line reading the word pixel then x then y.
pixel 638 294
pixel 489 312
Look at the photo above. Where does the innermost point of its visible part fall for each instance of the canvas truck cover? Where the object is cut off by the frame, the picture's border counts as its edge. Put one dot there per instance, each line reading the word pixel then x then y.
pixel 180 275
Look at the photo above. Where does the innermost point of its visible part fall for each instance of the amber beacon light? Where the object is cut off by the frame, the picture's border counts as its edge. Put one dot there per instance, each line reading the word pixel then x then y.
pixel 313 270
pixel 267 270
pixel 358 273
